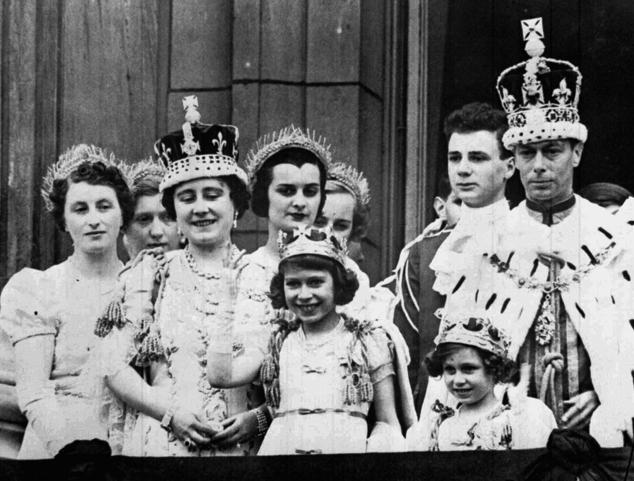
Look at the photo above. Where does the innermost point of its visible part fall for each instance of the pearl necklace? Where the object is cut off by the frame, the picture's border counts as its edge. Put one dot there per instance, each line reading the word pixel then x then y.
pixel 191 263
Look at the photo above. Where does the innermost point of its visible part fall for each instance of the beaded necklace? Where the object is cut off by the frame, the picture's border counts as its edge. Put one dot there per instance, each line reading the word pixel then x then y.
pixel 191 263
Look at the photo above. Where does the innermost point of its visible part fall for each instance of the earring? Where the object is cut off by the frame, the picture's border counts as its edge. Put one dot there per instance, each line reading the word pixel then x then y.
pixel 179 232
pixel 235 220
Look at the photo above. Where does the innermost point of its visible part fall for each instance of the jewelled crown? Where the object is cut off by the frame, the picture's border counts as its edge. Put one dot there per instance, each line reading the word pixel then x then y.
pixel 311 240
pixel 540 95
pixel 141 170
pixel 350 179
pixel 69 161
pixel 473 331
pixel 286 138
pixel 198 150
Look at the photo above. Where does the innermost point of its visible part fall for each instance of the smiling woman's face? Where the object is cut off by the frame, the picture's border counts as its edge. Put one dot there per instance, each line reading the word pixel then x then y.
pixel 204 211
pixel 294 196
pixel 92 216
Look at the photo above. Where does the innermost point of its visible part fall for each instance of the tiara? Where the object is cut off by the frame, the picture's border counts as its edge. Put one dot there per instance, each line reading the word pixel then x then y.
pixel 352 180
pixel 473 331
pixel 288 137
pixel 68 162
pixel 311 240
pixel 148 167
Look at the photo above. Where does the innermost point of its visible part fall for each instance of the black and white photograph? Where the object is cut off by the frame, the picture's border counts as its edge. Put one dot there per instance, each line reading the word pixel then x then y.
pixel 317 239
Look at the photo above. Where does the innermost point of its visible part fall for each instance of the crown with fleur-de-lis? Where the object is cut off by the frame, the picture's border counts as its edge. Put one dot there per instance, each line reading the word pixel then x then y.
pixel 350 179
pixel 472 330
pixel 288 137
pixel 540 95
pixel 198 150
pixel 314 241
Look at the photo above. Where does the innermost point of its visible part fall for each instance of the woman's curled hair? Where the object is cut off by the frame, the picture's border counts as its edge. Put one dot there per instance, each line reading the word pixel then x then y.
pixel 292 155
pixel 345 281
pixel 93 173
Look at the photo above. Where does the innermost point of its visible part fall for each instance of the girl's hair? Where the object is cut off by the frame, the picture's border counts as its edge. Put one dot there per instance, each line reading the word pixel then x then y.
pixel 93 173
pixel 501 368
pixel 345 280
pixel 238 193
pixel 360 215
pixel 263 178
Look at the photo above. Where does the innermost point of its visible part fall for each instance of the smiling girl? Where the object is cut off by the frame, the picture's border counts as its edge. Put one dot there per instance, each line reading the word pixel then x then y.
pixel 471 355
pixel 324 370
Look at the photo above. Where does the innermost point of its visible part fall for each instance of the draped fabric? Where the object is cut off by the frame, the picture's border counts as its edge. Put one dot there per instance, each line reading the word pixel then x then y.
pixel 471 465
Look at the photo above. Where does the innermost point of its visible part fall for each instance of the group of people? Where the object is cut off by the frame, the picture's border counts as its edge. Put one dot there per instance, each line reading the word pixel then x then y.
pixel 503 325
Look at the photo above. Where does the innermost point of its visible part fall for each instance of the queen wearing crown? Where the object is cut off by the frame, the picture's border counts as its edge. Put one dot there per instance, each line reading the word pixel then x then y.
pixel 181 315
pixel 50 315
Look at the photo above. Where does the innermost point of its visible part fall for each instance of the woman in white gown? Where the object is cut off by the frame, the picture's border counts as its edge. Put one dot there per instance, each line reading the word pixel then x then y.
pixel 50 315
pixel 172 308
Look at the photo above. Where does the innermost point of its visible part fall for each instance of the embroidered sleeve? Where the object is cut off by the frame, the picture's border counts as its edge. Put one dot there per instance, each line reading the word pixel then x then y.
pixel 137 337
pixel 26 306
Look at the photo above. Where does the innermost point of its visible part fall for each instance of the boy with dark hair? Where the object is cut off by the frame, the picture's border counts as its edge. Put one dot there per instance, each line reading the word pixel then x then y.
pixel 478 168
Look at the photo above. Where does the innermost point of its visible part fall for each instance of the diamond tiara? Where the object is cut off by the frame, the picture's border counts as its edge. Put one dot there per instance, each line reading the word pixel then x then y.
pixel 352 180
pixel 68 163
pixel 288 137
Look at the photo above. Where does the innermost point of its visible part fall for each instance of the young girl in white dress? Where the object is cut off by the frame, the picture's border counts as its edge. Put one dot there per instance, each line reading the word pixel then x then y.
pixel 471 355
pixel 324 370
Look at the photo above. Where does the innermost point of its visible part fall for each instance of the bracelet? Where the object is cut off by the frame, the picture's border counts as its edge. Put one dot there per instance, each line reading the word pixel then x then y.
pixel 167 419
pixel 263 421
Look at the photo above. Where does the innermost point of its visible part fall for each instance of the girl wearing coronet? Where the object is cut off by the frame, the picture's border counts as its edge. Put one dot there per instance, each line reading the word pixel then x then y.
pixel 324 370
pixel 471 355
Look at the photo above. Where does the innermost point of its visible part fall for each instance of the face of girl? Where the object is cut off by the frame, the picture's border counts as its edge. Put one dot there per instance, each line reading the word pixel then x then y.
pixel 294 196
pixel 466 378
pixel 151 227
pixel 338 213
pixel 204 211
pixel 309 293
pixel 92 216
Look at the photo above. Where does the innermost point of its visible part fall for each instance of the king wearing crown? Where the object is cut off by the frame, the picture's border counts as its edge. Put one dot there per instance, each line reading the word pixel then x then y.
pixel 557 278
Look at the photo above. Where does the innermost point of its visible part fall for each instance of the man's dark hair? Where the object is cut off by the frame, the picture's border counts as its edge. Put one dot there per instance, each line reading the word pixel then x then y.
pixel 478 116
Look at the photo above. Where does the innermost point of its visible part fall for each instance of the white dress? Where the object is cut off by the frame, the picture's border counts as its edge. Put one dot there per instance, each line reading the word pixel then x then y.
pixel 526 424
pixel 58 302
pixel 312 417
pixel 186 316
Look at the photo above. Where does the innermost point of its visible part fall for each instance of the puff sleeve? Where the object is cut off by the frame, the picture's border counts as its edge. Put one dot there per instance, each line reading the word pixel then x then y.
pixel 26 311
pixel 26 306
pixel 380 354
